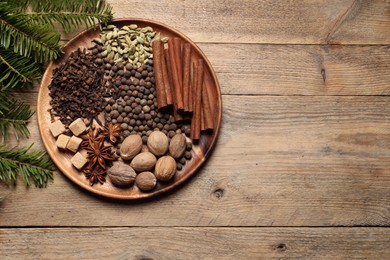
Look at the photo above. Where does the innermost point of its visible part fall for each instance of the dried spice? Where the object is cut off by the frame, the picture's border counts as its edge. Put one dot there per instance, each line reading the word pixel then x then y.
pixel 112 132
pixel 94 135
pixel 77 88
pixel 95 175
pixel 98 154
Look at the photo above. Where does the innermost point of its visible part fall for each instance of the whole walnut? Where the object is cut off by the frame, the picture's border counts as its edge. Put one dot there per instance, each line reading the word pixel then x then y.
pixel 121 174
pixel 158 143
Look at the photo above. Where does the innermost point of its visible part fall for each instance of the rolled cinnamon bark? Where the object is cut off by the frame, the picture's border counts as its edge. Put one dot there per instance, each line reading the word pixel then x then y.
pixel 178 98
pixel 177 44
pixel 191 87
pixel 208 122
pixel 167 77
pixel 186 76
pixel 202 119
pixel 197 113
pixel 158 49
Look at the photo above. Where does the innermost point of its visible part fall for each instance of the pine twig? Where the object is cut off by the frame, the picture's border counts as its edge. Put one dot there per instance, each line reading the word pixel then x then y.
pixel 26 38
pixel 15 116
pixel 16 70
pixel 69 13
pixel 34 166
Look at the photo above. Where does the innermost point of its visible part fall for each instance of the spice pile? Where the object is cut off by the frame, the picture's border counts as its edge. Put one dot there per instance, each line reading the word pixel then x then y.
pixel 130 107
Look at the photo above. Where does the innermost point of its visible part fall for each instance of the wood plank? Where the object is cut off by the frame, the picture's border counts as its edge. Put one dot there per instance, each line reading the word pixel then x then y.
pixel 194 243
pixel 279 161
pixel 299 69
pixel 268 21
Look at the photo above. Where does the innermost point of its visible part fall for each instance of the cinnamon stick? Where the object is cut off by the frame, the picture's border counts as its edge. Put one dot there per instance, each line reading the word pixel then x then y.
pixel 206 107
pixel 177 116
pixel 186 76
pixel 178 98
pixel 191 88
pixel 178 54
pixel 158 49
pixel 202 121
pixel 196 116
pixel 167 77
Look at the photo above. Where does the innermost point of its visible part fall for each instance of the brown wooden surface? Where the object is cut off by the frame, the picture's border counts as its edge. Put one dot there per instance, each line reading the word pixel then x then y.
pixel 301 167
pixel 205 243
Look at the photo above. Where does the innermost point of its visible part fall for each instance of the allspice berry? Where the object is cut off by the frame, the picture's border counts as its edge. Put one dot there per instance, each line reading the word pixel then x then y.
pixel 158 143
pixel 144 161
pixel 165 168
pixel 177 146
pixel 121 174
pixel 146 181
pixel 130 147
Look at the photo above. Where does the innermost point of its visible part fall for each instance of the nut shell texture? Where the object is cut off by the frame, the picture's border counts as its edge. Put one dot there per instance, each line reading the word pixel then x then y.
pixel 121 174
pixel 143 162
pixel 177 146
pixel 131 146
pixel 158 143
pixel 146 181
pixel 165 168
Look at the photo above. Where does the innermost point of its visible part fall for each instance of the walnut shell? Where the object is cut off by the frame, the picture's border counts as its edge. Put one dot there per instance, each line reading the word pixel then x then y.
pixel 143 162
pixel 158 143
pixel 130 147
pixel 165 168
pixel 121 174
pixel 146 181
pixel 177 146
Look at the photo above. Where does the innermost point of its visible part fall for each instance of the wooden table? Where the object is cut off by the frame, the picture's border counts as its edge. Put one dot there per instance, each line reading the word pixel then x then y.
pixel 302 164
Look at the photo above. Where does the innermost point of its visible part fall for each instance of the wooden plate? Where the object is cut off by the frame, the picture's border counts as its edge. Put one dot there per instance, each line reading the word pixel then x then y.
pixel 200 152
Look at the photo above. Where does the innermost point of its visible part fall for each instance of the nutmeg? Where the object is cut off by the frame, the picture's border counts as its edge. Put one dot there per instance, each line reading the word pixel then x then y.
pixel 130 147
pixel 165 168
pixel 121 174
pixel 158 143
pixel 177 146
pixel 146 181
pixel 143 162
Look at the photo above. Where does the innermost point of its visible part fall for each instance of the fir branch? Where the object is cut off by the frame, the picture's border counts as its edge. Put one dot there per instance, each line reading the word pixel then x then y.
pixel 69 13
pixel 4 102
pixel 26 38
pixel 34 166
pixel 69 21
pixel 15 116
pixel 16 70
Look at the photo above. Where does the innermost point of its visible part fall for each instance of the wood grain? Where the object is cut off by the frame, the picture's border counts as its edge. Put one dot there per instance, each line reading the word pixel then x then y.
pixel 299 69
pixel 277 22
pixel 304 146
pixel 206 243
pixel 279 161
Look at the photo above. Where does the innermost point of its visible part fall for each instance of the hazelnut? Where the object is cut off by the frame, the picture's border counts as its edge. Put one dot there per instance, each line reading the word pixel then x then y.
pixel 158 143
pixel 143 162
pixel 130 147
pixel 121 174
pixel 177 146
pixel 165 168
pixel 146 181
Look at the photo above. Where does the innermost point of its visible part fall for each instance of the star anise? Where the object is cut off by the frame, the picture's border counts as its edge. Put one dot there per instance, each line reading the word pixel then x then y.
pixel 98 153
pixel 94 135
pixel 95 175
pixel 112 131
